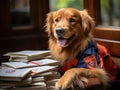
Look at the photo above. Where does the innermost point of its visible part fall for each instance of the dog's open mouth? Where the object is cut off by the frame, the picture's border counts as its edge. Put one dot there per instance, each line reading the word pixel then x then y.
pixel 63 41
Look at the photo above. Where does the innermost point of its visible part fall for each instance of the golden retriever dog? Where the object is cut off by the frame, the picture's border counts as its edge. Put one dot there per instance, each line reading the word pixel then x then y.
pixel 71 42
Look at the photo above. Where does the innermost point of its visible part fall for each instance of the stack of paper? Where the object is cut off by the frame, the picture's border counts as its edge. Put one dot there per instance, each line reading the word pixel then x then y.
pixel 10 74
pixel 33 74
pixel 27 55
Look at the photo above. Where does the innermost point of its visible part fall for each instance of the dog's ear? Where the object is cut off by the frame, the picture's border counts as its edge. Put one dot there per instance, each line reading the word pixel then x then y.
pixel 49 22
pixel 87 22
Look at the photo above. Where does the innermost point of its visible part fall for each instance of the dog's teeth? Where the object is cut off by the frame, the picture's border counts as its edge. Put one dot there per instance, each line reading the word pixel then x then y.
pixel 61 42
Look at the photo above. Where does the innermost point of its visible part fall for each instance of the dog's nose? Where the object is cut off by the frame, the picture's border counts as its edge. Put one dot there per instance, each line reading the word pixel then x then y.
pixel 60 31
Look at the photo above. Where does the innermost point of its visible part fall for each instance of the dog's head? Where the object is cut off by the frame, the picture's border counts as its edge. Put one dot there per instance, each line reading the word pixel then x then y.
pixel 67 25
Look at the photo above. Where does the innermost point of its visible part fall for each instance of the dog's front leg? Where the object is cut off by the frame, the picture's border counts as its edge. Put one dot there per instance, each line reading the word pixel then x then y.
pixel 79 76
pixel 71 77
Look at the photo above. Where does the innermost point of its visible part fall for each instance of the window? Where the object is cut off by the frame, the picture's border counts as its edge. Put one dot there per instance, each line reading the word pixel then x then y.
pixel 110 12
pixel 21 25
pixel 20 13
pixel 108 36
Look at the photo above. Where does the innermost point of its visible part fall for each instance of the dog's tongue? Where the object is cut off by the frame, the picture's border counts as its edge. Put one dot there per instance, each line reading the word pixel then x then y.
pixel 61 42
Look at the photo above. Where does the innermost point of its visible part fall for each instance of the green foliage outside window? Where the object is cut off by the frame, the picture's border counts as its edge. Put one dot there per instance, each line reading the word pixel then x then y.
pixel 110 12
pixel 57 4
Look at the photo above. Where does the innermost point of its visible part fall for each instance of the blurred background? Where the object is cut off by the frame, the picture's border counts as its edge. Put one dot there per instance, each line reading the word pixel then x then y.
pixel 20 10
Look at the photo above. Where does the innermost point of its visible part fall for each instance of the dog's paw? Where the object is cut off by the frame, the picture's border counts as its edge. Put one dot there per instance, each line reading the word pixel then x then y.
pixel 64 83
pixel 61 85
pixel 71 78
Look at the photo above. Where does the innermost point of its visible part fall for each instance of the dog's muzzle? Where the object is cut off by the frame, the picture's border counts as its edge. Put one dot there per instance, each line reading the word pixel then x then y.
pixel 61 40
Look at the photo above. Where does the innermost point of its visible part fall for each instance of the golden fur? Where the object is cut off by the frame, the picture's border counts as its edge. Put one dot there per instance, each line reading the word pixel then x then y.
pixel 69 31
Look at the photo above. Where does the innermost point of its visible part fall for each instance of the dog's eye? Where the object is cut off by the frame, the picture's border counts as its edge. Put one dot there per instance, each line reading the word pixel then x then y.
pixel 56 20
pixel 71 20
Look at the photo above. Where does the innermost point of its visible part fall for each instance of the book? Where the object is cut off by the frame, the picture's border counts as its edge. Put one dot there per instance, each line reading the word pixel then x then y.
pixel 41 62
pixel 33 86
pixel 38 79
pixel 17 65
pixel 10 74
pixel 27 55
pixel 42 69
pixel 45 62
pixel 11 84
pixel 45 74
pixel 37 86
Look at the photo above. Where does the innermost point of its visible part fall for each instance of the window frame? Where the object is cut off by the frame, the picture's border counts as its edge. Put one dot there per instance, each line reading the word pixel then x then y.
pixel 23 38
pixel 107 36
pixel 38 9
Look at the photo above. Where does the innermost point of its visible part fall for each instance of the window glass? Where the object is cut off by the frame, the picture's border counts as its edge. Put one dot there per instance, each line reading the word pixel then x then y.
pixel 57 4
pixel 110 12
pixel 20 13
